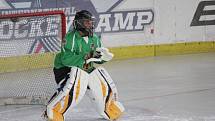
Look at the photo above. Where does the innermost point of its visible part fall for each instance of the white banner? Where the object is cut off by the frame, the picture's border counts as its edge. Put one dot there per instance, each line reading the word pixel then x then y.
pixel 127 22
pixel 174 21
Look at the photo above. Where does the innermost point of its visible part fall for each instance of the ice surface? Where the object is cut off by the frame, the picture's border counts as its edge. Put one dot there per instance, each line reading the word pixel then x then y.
pixel 167 88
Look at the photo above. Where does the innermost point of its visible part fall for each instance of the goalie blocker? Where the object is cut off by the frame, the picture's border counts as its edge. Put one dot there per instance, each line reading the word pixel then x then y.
pixel 99 87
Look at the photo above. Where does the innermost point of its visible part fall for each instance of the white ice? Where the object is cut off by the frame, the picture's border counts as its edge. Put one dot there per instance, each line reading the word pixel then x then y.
pixel 166 88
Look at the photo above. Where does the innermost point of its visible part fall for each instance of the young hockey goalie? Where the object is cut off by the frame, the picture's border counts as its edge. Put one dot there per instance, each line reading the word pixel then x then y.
pixel 75 74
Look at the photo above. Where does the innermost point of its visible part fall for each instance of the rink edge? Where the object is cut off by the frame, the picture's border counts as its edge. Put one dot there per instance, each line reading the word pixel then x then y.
pixel 21 63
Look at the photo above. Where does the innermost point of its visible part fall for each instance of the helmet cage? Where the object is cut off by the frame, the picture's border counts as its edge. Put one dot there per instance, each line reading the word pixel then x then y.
pixel 80 21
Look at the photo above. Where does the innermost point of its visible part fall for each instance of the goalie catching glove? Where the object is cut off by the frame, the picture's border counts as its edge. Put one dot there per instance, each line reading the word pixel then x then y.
pixel 101 54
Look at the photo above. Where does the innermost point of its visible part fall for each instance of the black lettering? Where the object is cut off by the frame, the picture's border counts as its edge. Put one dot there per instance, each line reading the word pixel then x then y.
pixel 201 12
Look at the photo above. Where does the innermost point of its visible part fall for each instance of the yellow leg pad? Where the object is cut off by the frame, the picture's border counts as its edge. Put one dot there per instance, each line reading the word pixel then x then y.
pixel 58 116
pixel 59 110
pixel 114 111
pixel 103 89
pixel 66 100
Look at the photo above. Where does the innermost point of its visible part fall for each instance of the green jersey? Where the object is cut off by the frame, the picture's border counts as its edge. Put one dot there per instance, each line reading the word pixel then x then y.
pixel 74 50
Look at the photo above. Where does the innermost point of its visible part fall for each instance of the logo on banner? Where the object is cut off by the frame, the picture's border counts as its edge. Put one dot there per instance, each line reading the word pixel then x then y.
pixel 48 44
pixel 107 20
pixel 204 14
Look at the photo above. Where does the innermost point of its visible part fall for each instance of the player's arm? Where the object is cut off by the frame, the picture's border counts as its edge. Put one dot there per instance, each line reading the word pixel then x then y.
pixel 98 54
pixel 70 56
pixel 101 55
pixel 105 56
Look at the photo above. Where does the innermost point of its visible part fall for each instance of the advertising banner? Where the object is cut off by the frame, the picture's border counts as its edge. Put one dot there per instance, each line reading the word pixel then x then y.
pixel 118 22
pixel 33 41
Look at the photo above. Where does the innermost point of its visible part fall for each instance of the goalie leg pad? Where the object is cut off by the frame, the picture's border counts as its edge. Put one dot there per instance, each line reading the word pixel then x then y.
pixel 69 96
pixel 104 94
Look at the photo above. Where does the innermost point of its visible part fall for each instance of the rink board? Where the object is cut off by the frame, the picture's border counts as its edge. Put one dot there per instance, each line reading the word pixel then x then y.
pixel 35 61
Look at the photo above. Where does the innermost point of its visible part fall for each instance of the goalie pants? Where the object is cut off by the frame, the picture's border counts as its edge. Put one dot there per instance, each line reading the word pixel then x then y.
pixel 74 83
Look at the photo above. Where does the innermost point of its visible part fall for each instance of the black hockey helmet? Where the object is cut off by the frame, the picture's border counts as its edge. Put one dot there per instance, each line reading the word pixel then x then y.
pixel 80 18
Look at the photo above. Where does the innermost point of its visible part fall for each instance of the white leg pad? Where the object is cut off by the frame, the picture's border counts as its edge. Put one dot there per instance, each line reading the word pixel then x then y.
pixel 70 96
pixel 104 95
